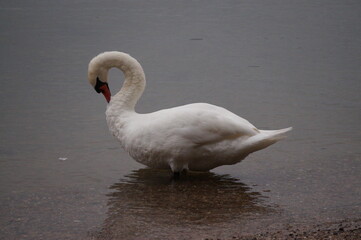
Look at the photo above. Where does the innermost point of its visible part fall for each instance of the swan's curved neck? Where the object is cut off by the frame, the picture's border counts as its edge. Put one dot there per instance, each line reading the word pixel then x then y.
pixel 134 82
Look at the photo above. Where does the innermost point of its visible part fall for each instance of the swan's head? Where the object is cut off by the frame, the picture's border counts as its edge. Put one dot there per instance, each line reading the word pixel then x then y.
pixel 98 78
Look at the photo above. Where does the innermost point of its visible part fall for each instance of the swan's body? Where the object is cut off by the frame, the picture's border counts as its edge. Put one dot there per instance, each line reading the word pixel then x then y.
pixel 196 136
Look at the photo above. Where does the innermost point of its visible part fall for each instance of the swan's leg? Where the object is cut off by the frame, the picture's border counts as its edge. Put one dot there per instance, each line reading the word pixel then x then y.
pixel 178 169
pixel 174 166
pixel 175 169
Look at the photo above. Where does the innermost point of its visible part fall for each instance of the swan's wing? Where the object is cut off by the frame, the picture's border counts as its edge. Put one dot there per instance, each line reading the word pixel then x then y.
pixel 215 125
pixel 204 124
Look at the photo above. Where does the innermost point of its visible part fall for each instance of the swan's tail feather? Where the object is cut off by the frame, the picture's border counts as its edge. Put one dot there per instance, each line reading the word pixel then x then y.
pixel 265 138
pixel 276 134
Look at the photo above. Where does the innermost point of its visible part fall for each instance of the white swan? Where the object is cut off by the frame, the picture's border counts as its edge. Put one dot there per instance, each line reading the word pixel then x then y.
pixel 196 136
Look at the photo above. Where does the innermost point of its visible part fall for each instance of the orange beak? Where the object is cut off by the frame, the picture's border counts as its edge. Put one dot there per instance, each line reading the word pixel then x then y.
pixel 106 92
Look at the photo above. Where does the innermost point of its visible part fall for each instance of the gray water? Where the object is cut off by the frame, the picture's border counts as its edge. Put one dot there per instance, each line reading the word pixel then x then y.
pixel 275 63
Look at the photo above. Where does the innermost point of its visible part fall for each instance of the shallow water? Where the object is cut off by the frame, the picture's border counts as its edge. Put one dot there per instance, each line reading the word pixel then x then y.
pixel 149 203
pixel 277 64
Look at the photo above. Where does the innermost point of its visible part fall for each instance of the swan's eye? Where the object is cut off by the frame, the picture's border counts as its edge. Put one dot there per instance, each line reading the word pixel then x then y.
pixel 98 85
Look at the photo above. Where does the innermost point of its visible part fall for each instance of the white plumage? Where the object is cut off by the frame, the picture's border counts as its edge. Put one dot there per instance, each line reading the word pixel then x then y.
pixel 196 136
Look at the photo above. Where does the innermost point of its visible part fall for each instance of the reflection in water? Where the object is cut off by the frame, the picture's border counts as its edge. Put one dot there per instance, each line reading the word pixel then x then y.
pixel 148 203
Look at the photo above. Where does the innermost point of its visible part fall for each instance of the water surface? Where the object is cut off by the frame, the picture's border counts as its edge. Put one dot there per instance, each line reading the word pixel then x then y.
pixel 275 63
